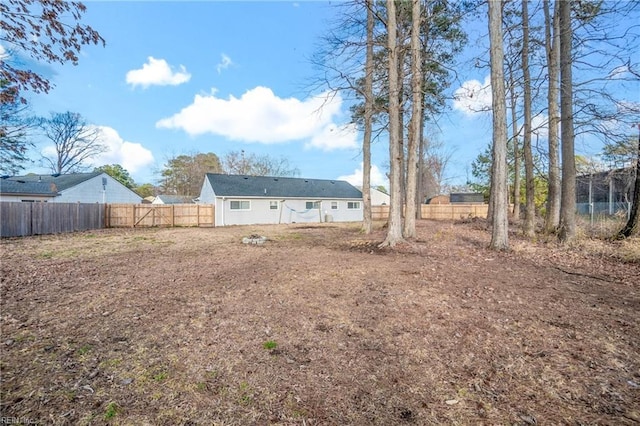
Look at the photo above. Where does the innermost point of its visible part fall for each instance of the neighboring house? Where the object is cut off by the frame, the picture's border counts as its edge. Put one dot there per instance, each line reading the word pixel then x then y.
pixel 605 192
pixel 21 191
pixel 96 187
pixel 457 198
pixel 173 199
pixel 378 198
pixel 244 200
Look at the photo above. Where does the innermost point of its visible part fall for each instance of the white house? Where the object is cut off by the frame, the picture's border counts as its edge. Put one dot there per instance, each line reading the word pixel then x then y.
pixel 21 191
pixel 96 187
pixel 245 200
pixel 173 199
pixel 378 198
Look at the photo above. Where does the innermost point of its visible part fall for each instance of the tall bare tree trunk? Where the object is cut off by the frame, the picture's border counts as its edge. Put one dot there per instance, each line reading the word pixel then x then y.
pixel 421 174
pixel 552 44
pixel 633 224
pixel 416 123
pixel 568 197
pixel 367 223
pixel 500 224
pixel 528 227
pixel 394 231
pixel 516 146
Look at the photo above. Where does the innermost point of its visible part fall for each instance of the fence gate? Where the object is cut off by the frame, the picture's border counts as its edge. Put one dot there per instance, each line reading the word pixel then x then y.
pixel 164 215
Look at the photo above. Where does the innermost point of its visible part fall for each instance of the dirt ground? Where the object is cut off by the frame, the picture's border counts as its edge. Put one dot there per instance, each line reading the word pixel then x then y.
pixel 318 327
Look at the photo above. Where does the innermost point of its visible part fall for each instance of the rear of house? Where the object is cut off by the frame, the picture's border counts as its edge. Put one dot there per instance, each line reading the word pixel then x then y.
pixel 246 200
pixel 95 187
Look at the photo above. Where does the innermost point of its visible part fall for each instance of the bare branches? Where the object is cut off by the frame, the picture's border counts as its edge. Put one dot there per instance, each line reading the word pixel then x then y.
pixel 74 141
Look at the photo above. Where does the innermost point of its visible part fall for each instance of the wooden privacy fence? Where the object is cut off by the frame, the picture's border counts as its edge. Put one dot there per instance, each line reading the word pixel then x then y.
pixel 439 211
pixel 168 215
pixel 21 219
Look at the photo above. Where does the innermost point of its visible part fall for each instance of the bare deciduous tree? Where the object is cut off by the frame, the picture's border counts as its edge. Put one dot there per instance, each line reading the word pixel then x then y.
pixel 16 126
pixel 241 163
pixel 552 46
pixel 633 224
pixel 528 225
pixel 75 142
pixel 367 223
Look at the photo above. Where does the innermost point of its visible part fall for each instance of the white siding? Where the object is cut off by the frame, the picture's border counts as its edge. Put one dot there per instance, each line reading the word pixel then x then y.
pixel 28 198
pixel 92 191
pixel 207 196
pixel 289 211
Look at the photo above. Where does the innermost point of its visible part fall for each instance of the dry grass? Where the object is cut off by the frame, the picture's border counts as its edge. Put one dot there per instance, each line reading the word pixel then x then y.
pixel 318 326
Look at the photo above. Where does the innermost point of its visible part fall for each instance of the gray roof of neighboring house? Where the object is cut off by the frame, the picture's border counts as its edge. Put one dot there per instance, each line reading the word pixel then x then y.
pixel 61 182
pixel 285 187
pixel 21 187
pixel 176 199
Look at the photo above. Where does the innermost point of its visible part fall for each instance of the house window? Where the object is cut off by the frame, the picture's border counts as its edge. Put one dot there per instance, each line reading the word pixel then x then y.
pixel 334 205
pixel 312 205
pixel 240 205
pixel 273 205
pixel 353 205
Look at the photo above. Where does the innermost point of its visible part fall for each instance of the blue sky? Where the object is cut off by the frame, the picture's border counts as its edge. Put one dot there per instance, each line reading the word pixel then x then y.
pixel 186 77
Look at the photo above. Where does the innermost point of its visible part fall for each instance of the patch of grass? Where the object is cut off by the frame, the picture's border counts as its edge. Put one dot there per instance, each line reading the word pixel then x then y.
pixel 111 362
pixel 292 236
pixel 270 345
pixel 111 411
pixel 46 255
pixel 160 377
pixel 246 394
pixel 84 349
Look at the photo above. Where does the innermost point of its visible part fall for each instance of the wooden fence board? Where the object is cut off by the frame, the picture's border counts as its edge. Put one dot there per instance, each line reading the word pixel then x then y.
pixel 439 211
pixel 21 219
pixel 162 215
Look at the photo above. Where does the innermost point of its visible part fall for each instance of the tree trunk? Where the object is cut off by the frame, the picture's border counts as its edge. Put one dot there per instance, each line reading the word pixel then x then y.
pixel 516 148
pixel 500 224
pixel 421 173
pixel 633 227
pixel 367 223
pixel 552 43
pixel 394 231
pixel 528 227
pixel 416 123
pixel 568 196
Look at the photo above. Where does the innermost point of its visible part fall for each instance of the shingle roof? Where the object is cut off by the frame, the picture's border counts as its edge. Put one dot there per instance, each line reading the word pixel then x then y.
pixel 268 186
pixel 20 187
pixel 62 182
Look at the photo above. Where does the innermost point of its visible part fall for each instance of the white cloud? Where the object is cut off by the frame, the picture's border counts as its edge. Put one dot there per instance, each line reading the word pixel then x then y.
pixel 225 63
pixel 3 53
pixel 261 116
pixel 473 97
pixel 130 155
pixel 620 72
pixel 540 125
pixel 377 177
pixel 157 72
pixel 333 137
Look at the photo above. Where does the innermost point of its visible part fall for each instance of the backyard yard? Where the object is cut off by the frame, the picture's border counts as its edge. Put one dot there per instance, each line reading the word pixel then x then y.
pixel 317 326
